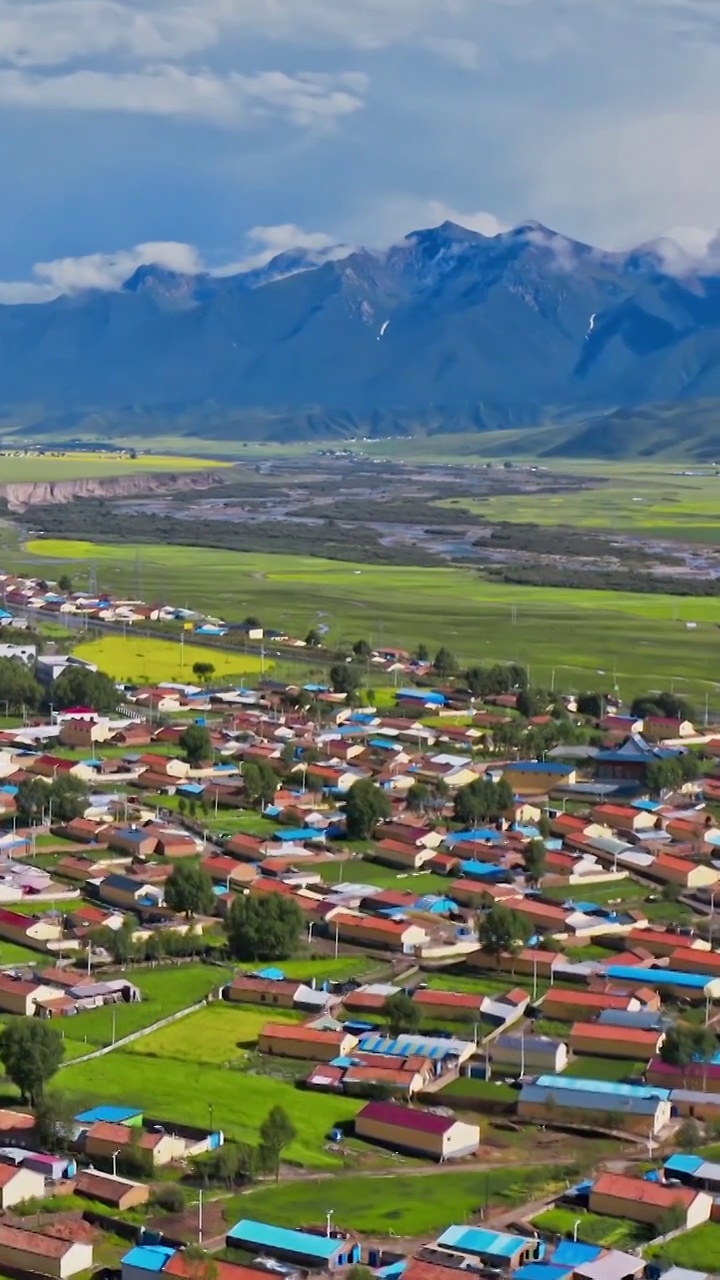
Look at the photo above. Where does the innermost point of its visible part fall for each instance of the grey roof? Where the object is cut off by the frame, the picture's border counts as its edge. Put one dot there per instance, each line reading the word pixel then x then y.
pixel 613 1266
pixel 644 1019
pixel 599 1099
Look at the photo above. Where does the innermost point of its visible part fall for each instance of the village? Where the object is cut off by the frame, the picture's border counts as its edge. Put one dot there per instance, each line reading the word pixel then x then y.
pixel 463 930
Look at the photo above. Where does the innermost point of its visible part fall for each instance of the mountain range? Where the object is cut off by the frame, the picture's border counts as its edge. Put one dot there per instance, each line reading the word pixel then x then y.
pixel 448 329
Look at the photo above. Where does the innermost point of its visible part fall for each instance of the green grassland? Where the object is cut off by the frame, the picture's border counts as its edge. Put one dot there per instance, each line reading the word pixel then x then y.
pixel 183 1090
pixel 698 1249
pixel 217 1035
pixel 139 660
pixel 613 1233
pixel 662 504
pixel 405 1205
pixel 164 991
pixel 31 468
pixel 576 633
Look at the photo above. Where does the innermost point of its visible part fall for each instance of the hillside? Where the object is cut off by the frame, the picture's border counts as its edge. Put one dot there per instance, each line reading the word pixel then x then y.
pixel 449 330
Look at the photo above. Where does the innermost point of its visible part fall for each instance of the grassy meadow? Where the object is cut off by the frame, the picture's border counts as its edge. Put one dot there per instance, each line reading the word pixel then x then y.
pixel 184 1089
pixel 165 990
pixel 29 468
pixel 139 660
pixel 404 1205
pixel 642 639
pixel 219 1034
pixel 664 504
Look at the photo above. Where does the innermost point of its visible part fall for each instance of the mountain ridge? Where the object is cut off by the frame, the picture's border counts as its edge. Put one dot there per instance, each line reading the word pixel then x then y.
pixel 524 327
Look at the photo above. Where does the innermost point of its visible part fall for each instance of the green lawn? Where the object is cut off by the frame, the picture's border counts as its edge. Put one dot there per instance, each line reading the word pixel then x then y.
pixel 589 1067
pixel 406 1205
pixel 76 465
pixel 471 1087
pixel 165 991
pixel 218 1034
pixel 613 1233
pixel 321 967
pixel 574 632
pixel 13 953
pixel 183 1090
pixel 698 1250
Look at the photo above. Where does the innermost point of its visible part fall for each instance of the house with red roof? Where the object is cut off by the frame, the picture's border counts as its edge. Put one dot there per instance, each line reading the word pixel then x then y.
pixel 422 1133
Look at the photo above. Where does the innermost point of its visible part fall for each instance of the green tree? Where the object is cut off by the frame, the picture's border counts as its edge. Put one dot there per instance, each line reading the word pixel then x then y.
pixel 545 826
pixel 203 671
pixel 482 801
pixel 196 744
pixel 189 891
pixel 18 686
pixel 534 860
pixel 277 1131
pixel 252 781
pixel 445 663
pixel 68 797
pixel 31 1050
pixel 362 650
pixel 591 704
pixel 418 797
pixel 685 1044
pixel 269 782
pixel 365 807
pixel 55 1120
pixel 32 800
pixel 402 1014
pixel 662 776
pixel 422 653
pixel 502 930
pixel 688 1136
pixel 313 639
pixel 264 927
pixel 81 687
pixel 345 677
pixel 690 767
pixel 669 705
pixel 533 702
pixel 65 584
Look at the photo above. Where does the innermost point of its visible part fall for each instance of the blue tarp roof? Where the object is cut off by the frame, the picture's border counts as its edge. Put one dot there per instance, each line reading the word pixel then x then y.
pixel 659 977
pixel 541 1271
pixel 573 1253
pixel 270 974
pixel 384 744
pixel 479 833
pixel 481 870
pixel 683 1164
pixel 607 1086
pixel 263 1235
pixel 423 695
pixel 299 833
pixel 481 1240
pixel 109 1115
pixel 148 1257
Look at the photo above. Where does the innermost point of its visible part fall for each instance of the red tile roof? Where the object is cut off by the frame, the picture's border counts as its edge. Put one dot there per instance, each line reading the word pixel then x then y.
pixel 391 1113
pixel 638 1191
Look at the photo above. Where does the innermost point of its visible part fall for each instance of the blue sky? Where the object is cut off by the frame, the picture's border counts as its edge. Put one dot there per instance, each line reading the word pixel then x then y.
pixel 212 132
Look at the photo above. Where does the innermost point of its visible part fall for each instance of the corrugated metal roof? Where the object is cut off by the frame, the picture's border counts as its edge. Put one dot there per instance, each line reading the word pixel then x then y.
pixel 148 1257
pixel 682 1164
pixel 263 1235
pixel 480 1240
pixel 659 977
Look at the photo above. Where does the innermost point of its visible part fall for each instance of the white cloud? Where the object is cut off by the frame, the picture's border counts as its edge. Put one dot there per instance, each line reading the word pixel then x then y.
pixel 389 219
pixel 464 54
pixel 265 243
pixel 109 271
pixel 99 270
pixel 233 99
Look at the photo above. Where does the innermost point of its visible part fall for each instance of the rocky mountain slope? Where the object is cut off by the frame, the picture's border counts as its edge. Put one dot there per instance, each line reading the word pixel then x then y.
pixel 470 330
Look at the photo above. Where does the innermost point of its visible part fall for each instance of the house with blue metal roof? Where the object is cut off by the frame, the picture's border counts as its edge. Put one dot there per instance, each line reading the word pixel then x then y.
pixel 693 1171
pixel 698 986
pixel 611 1105
pixel 316 1252
pixel 144 1260
pixel 492 1248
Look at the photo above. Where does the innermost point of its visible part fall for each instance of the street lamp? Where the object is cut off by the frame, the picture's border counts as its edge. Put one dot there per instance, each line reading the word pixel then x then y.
pixel 115 1155
pixel 328 1221
pixel 576 1227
